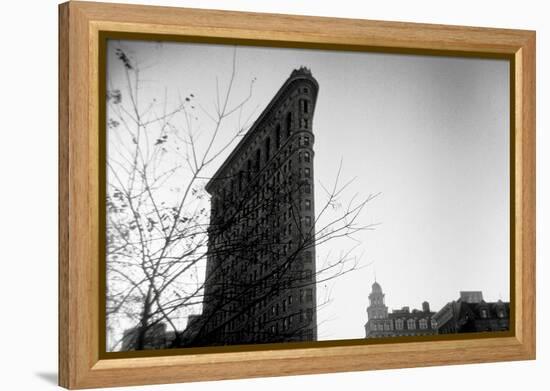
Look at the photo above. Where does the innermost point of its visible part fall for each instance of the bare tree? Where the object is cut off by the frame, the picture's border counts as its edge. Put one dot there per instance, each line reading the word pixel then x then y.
pixel 254 262
pixel 157 238
pixel 159 224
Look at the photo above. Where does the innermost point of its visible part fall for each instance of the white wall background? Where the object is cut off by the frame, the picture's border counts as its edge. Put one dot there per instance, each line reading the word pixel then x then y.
pixel 28 200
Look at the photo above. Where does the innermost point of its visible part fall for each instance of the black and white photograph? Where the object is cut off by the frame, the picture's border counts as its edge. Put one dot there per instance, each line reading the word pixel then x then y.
pixel 265 195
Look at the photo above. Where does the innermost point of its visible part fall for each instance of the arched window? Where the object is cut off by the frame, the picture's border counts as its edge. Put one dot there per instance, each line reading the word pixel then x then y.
pixel 288 123
pixel 423 324
pixel 267 149
pixel 411 324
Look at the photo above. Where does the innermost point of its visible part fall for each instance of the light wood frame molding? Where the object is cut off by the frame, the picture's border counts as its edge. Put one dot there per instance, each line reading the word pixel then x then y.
pixel 80 24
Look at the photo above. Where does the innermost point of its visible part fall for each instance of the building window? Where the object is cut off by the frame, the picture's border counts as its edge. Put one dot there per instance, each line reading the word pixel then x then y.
pixel 306 90
pixel 309 292
pixel 307 157
pixel 304 105
pixel 307 188
pixel 483 313
pixel 267 149
pixel 241 180
pixel 304 123
pixel 308 204
pixel 399 324
pixel 434 324
pixel 309 314
pixel 308 221
pixel 307 172
pixel 307 257
pixel 411 324
pixel 258 159
pixel 423 324
pixel 288 124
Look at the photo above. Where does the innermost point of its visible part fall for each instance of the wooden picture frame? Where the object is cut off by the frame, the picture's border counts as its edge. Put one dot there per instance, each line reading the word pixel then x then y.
pixel 81 25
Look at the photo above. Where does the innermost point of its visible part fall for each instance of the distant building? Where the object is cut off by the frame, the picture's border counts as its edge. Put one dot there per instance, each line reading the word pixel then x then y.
pixel 260 272
pixel 155 337
pixel 402 322
pixel 470 313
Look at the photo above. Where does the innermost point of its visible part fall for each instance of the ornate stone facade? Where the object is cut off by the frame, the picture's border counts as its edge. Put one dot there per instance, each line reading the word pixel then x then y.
pixel 260 273
pixel 398 323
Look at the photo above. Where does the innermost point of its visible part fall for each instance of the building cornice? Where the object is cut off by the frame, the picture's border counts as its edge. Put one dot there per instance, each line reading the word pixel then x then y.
pixel 296 75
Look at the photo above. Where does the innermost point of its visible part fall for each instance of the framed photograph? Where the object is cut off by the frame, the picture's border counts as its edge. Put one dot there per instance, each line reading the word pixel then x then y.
pixel 246 195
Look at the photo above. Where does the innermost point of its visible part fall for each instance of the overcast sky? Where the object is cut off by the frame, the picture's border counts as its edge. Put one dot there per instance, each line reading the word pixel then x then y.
pixel 430 134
